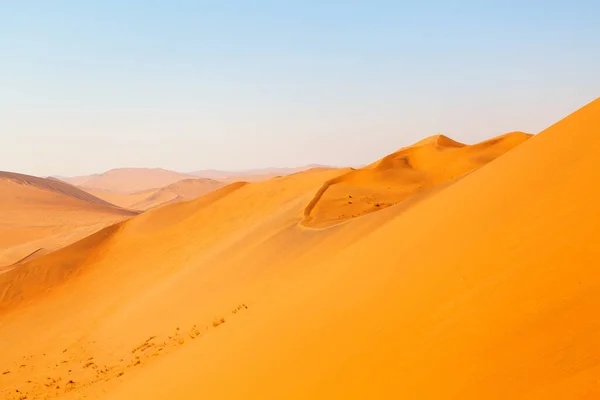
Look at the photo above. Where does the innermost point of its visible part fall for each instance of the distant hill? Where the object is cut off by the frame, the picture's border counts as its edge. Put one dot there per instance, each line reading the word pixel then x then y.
pixel 39 215
pixel 430 163
pixel 128 180
pixel 253 175
pixel 188 189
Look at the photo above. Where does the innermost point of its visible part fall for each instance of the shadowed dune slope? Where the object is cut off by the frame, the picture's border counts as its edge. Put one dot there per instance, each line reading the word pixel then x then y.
pixel 401 175
pixel 50 185
pixel 39 215
pixel 484 289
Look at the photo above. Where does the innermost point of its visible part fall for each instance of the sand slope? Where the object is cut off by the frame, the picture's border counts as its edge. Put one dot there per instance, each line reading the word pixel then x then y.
pixel 123 200
pixel 403 174
pixel 435 304
pixel 484 289
pixel 187 189
pixel 39 215
pixel 75 180
pixel 129 180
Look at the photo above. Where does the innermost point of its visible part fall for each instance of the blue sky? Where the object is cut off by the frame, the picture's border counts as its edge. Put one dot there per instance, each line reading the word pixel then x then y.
pixel 188 85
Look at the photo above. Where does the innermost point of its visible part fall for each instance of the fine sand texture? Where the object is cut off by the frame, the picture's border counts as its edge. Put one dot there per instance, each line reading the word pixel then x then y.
pixel 481 286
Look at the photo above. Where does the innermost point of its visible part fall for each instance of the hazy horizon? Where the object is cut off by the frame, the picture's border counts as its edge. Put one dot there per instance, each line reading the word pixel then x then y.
pixel 189 86
pixel 208 170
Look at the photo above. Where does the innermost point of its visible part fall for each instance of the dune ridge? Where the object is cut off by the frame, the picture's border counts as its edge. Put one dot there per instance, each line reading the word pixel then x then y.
pixel 499 310
pixel 399 176
pixel 39 215
pixel 53 185
pixel 123 200
pixel 187 189
pixel 472 292
pixel 128 180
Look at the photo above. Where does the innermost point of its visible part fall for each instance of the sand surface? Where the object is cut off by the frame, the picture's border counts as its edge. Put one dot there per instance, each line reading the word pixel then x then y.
pixel 406 173
pixel 40 215
pixel 123 200
pixel 481 285
pixel 184 190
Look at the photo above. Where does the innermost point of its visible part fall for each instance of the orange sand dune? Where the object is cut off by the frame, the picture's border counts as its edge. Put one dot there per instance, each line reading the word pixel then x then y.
pixel 485 289
pixel 123 200
pixel 401 175
pixel 187 189
pixel 92 284
pixel 129 180
pixel 39 215
pixel 75 180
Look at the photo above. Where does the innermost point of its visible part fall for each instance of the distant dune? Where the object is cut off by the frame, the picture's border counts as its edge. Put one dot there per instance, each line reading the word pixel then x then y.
pixel 129 180
pixel 124 200
pixel 187 189
pixel 39 215
pixel 254 175
pixel 49 185
pixel 76 180
pixel 121 187
pixel 126 181
pixel 415 169
pixel 477 279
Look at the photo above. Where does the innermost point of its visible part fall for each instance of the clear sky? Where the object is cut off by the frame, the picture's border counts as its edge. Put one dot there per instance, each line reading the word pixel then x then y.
pixel 87 86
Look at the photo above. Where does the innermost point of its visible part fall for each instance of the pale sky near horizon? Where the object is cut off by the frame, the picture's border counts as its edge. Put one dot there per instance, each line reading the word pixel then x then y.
pixel 232 85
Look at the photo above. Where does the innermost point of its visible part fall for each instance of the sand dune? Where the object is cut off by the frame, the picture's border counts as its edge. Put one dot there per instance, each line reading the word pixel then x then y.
pixel 116 183
pixel 39 215
pixel 416 169
pixel 487 289
pixel 484 289
pixel 188 189
pixel 129 180
pixel 255 175
pixel 184 190
pixel 75 180
pixel 123 200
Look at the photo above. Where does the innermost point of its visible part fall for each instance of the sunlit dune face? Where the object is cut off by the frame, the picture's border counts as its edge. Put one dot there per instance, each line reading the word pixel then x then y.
pixel 398 177
pixel 442 271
